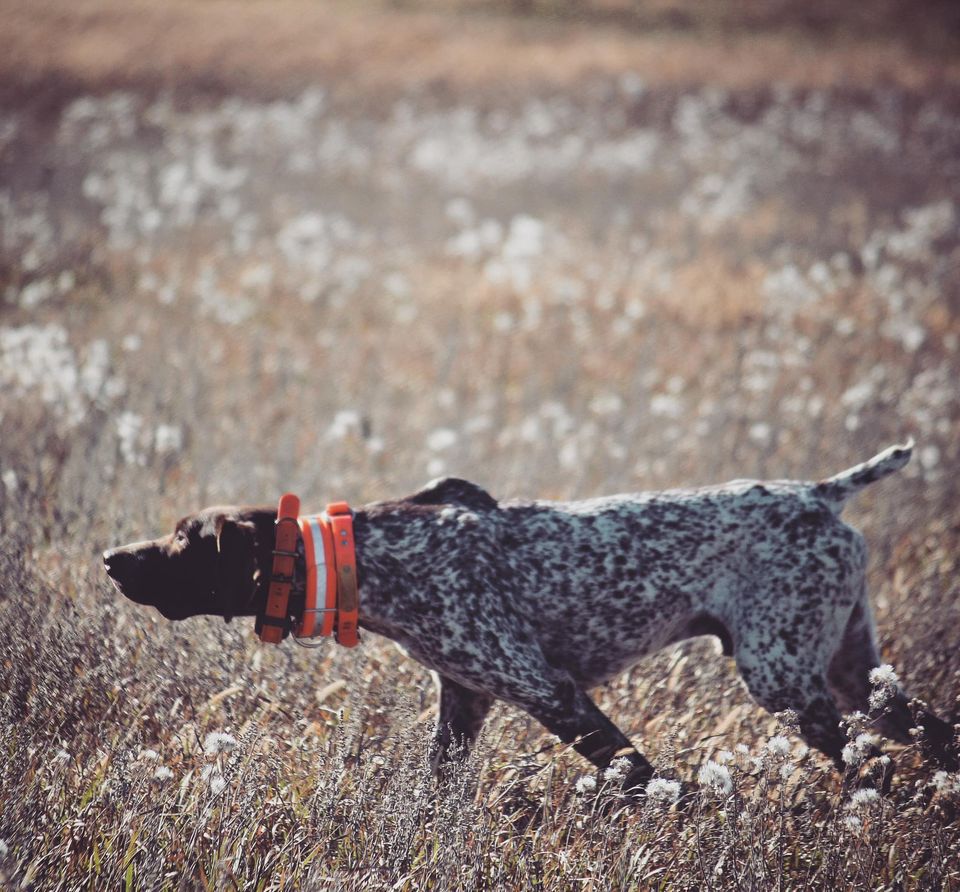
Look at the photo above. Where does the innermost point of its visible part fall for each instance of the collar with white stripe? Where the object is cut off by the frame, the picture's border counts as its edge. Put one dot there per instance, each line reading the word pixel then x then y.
pixel 331 602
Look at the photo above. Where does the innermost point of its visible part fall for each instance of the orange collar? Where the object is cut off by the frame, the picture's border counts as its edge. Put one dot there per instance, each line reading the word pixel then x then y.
pixel 331 602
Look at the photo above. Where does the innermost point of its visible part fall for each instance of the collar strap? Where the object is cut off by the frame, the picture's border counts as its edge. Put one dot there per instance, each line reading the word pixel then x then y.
pixel 331 597
pixel 274 623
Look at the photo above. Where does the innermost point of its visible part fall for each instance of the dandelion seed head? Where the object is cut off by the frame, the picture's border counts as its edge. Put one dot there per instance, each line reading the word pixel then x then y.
pixel 440 439
pixel 856 751
pixel 662 791
pixel 9 478
pixel 946 782
pixel 716 777
pixel 218 742
pixel 346 422
pixel 862 798
pixel 167 439
pixel 778 746
pixel 884 675
pixel 585 784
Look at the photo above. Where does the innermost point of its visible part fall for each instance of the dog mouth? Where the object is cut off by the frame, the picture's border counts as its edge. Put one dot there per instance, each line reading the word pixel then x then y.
pixel 128 578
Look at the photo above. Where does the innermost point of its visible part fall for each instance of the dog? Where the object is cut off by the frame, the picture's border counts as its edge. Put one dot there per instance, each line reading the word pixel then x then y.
pixel 536 602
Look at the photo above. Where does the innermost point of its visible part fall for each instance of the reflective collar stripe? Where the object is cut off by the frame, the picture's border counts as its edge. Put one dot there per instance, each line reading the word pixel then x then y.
pixel 321 584
pixel 313 554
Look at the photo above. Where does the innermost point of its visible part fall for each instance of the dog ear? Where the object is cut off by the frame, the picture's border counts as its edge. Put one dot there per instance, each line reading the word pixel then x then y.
pixel 236 566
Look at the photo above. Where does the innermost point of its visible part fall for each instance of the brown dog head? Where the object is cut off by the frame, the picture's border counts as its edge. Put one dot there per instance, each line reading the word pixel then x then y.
pixel 211 564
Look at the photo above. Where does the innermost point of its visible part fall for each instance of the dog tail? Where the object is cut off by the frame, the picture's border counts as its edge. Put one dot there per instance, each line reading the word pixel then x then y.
pixel 837 489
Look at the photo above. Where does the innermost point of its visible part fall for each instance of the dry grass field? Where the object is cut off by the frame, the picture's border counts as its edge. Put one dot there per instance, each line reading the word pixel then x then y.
pixel 560 249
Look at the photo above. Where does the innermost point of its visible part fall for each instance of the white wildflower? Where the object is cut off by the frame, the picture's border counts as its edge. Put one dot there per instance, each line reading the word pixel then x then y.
pixel 345 422
pixel 760 432
pixel 440 439
pixel 884 675
pixel 162 774
pixel 213 778
pixel 716 777
pixel 885 683
pixel 661 791
pixel 149 755
pixel 946 782
pixel 778 746
pixel 861 798
pixel 525 237
pixel 168 438
pixel 218 742
pixel 617 769
pixel 857 750
pixel 40 358
pixel 62 756
pixel 742 749
pixel 724 756
pixel 852 823
pixel 606 404
pixel 585 784
pixel 10 481
pixel 129 431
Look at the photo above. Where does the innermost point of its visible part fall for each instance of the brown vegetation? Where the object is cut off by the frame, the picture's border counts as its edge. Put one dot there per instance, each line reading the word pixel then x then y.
pixel 252 247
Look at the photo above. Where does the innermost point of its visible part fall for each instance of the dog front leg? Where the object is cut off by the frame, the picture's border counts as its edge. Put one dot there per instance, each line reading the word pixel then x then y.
pixel 461 716
pixel 576 719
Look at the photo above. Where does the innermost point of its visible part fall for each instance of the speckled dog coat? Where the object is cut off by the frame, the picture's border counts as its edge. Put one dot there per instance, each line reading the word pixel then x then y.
pixel 535 602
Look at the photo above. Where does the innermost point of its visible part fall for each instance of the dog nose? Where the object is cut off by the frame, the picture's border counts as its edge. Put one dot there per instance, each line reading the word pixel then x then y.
pixel 114 560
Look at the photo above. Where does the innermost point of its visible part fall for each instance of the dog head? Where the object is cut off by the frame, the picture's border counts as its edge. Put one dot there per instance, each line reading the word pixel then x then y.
pixel 211 563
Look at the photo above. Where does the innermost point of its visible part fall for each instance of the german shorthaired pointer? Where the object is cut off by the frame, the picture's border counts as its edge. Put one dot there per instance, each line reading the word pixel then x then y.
pixel 536 602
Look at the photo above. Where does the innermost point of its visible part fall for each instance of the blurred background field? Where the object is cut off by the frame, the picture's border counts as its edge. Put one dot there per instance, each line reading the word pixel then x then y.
pixel 558 248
